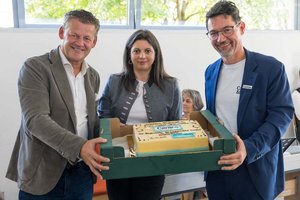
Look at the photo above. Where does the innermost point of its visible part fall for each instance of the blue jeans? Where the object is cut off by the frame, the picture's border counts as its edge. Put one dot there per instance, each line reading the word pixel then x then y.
pixel 76 183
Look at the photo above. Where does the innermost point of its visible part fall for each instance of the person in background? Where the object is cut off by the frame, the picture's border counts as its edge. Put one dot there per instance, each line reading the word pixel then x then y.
pixel 296 100
pixel 250 93
pixel 143 92
pixel 54 155
pixel 191 101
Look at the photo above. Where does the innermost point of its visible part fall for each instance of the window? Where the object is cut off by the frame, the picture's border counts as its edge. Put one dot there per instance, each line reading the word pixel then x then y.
pixel 269 14
pixel 162 14
pixel 174 13
pixel 258 14
pixel 113 13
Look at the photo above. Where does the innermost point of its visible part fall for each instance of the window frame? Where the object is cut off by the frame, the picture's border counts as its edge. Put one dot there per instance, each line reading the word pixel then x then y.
pixel 134 18
pixel 19 18
pixel 297 15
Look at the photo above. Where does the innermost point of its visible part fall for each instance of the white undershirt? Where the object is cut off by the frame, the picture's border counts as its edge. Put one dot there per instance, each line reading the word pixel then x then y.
pixel 228 94
pixel 137 113
pixel 79 95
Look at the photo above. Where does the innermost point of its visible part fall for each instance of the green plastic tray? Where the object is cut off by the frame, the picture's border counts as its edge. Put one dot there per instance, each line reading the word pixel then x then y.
pixel 121 167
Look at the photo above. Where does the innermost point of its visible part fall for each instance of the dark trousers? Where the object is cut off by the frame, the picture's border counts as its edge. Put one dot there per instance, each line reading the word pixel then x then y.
pixel 76 183
pixel 231 185
pixel 142 188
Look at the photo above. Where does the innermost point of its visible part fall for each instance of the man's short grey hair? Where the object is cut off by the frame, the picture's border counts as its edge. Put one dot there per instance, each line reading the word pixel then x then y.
pixel 83 16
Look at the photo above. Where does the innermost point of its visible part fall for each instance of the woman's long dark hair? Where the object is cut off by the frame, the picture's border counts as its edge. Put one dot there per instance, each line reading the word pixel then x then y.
pixel 157 73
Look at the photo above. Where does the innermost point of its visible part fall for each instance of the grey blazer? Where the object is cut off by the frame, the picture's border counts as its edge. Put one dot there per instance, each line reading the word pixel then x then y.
pixel 47 138
pixel 160 105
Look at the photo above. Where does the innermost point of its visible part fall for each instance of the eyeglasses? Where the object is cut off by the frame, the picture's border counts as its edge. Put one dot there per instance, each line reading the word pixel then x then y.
pixel 226 31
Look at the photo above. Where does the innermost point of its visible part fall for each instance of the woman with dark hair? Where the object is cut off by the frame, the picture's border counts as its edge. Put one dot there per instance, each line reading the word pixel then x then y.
pixel 143 92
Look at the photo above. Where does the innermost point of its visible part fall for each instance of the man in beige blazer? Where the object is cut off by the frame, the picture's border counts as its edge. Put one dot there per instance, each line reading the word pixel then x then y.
pixel 54 155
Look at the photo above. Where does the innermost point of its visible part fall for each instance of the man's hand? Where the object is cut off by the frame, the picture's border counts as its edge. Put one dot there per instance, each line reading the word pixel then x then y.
pixel 234 160
pixel 93 159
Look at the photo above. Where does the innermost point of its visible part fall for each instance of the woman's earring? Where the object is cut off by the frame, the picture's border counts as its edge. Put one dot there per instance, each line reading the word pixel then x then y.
pixel 129 62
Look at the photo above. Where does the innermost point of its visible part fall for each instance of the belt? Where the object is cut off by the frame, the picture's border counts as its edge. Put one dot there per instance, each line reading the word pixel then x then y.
pixel 76 165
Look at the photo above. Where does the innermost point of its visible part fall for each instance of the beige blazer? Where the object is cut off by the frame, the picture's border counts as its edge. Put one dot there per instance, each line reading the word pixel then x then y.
pixel 47 138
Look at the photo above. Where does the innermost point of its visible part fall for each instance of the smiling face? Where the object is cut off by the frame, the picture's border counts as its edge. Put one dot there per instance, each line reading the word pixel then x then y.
pixel 142 56
pixel 229 47
pixel 77 41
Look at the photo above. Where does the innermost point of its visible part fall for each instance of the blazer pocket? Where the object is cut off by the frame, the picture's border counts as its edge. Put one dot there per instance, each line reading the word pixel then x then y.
pixel 30 156
pixel 260 109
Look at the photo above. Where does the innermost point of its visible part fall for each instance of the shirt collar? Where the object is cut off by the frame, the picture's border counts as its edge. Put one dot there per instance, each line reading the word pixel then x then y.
pixel 67 65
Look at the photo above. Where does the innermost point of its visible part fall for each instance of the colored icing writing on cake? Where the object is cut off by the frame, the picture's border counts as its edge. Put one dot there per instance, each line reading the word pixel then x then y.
pixel 167 137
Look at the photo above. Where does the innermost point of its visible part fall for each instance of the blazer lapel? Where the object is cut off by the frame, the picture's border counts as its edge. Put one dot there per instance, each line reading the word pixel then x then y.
pixel 91 101
pixel 211 81
pixel 247 87
pixel 62 82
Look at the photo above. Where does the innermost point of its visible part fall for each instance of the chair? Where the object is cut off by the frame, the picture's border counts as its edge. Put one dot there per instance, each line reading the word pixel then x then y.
pixel 100 192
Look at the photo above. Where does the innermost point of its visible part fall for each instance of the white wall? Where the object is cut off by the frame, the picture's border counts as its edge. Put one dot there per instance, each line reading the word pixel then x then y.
pixel 186 55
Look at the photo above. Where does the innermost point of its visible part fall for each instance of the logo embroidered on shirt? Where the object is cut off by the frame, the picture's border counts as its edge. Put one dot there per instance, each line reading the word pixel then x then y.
pixel 238 89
